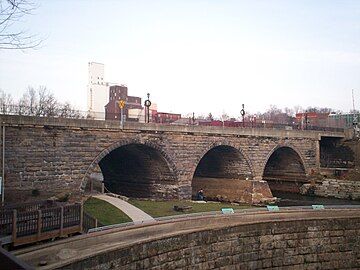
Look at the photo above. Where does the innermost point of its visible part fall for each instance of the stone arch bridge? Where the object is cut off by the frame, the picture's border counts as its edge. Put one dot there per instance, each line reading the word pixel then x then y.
pixel 53 155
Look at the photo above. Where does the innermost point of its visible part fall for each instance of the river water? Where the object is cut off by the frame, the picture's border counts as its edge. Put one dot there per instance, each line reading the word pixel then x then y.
pixel 292 199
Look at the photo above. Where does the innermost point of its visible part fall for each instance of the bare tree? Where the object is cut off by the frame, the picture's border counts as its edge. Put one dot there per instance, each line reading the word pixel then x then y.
pixel 6 102
pixel 12 11
pixel 298 109
pixel 210 117
pixel 47 106
pixel 28 102
pixel 319 110
pixel 67 111
pixel 224 116
pixel 37 102
pixel 289 111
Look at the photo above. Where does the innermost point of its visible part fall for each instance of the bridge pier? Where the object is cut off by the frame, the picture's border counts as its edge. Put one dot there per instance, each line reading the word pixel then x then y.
pixel 233 190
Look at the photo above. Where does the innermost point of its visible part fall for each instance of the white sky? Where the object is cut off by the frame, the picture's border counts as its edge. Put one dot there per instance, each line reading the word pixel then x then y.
pixel 201 56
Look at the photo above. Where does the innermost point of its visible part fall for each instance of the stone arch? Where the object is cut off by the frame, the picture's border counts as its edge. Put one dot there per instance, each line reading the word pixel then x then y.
pixel 221 143
pixel 292 147
pixel 284 169
pixel 154 148
pixel 224 172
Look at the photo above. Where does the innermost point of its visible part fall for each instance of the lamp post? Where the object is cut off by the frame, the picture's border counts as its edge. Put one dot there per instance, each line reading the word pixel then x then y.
pixel 242 112
pixel 147 105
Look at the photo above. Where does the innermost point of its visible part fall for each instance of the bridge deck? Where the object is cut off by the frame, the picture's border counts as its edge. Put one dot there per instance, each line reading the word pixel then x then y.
pixel 64 252
pixel 159 128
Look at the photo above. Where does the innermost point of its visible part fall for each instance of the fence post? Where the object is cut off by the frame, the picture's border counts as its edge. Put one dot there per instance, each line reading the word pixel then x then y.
pixel 81 216
pixel 39 223
pixel 102 187
pixel 14 224
pixel 61 220
pixel 96 223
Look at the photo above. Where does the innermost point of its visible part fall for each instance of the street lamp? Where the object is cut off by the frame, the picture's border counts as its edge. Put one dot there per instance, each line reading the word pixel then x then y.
pixel 147 105
pixel 242 112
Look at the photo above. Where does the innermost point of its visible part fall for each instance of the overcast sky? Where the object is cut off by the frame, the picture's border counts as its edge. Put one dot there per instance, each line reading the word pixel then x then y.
pixel 201 56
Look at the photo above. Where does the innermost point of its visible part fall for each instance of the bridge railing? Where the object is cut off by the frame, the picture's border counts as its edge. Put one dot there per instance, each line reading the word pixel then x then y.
pixel 139 117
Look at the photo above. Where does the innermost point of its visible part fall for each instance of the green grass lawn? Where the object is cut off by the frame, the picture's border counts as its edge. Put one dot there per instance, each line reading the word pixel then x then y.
pixel 165 208
pixel 103 211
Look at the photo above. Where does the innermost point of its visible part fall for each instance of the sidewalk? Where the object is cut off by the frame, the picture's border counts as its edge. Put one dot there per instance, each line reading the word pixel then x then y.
pixel 137 215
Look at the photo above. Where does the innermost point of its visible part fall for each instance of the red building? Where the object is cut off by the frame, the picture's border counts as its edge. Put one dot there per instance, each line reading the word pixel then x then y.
pixel 112 109
pixel 162 117
pixel 312 119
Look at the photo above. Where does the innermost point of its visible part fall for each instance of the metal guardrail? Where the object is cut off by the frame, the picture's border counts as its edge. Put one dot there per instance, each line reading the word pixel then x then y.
pixel 219 213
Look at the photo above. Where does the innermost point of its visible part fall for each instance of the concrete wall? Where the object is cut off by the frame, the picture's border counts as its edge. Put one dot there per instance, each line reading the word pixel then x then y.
pixel 58 155
pixel 302 244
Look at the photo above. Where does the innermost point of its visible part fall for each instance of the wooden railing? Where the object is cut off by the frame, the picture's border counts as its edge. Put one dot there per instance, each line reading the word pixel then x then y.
pixel 30 226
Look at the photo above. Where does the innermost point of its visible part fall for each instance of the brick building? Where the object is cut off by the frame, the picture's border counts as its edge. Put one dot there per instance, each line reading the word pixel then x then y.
pixel 308 119
pixel 133 107
pixel 134 110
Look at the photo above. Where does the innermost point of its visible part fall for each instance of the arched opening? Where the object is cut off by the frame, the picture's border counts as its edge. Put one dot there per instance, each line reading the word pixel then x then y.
pixel 284 171
pixel 223 174
pixel 138 171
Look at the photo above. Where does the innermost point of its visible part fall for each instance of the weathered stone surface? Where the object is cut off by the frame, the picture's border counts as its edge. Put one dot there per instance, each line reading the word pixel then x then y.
pixel 341 189
pixel 231 248
pixel 59 155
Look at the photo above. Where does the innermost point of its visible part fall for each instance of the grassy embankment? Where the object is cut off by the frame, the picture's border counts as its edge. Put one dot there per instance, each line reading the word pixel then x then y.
pixel 104 212
pixel 108 214
pixel 166 208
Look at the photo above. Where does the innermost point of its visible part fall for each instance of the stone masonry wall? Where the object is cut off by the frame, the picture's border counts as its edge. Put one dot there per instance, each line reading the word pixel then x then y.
pixel 58 159
pixel 233 190
pixel 308 244
pixel 334 188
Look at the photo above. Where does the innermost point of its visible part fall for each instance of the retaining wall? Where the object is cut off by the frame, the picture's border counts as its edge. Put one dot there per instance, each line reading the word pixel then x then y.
pixel 334 188
pixel 305 244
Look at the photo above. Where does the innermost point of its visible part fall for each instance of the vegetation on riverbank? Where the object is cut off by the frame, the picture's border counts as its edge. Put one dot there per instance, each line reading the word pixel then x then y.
pixel 166 208
pixel 104 212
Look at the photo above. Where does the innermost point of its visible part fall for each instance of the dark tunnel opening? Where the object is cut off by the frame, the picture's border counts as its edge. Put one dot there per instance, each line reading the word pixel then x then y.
pixel 219 173
pixel 284 171
pixel 138 171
